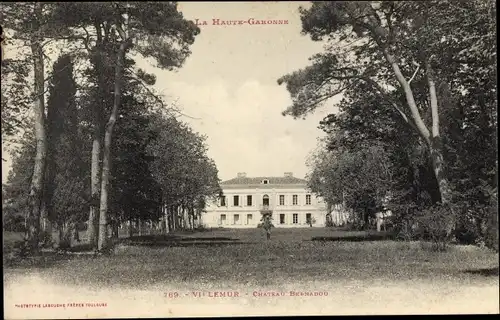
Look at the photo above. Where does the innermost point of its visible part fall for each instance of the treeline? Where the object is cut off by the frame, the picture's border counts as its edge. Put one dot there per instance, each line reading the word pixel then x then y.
pixel 98 148
pixel 416 128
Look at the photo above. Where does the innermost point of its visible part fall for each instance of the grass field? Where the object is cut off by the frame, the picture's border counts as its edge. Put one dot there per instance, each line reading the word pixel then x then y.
pixel 226 258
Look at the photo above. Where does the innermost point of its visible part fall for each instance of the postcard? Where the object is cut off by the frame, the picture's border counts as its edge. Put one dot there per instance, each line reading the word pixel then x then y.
pixel 220 159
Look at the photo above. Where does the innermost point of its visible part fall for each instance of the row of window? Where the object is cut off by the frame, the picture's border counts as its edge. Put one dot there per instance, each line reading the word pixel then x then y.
pixel 282 219
pixel 265 200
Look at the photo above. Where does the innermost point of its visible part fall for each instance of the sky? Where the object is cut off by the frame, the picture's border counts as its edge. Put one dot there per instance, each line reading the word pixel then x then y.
pixel 228 88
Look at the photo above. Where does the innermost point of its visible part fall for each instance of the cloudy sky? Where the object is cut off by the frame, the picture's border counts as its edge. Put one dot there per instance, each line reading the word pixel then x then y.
pixel 229 85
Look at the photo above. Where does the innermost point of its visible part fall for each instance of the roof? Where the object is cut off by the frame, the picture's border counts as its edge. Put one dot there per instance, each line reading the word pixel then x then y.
pixel 258 180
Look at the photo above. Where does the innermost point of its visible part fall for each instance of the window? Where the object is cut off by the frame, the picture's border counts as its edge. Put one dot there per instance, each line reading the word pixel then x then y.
pixel 295 218
pixel 249 200
pixel 265 181
pixel 223 201
pixel 222 219
pixel 282 200
pixel 236 201
pixel 282 218
pixel 295 199
pixel 308 199
pixel 236 219
pixel 249 219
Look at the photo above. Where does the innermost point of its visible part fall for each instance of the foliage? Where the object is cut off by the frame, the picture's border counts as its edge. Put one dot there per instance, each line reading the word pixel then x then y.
pixel 432 224
pixel 133 192
pixel 266 222
pixel 359 179
pixel 15 98
pixel 180 166
pixel 18 181
pixel 65 194
pixel 156 29
pixel 408 71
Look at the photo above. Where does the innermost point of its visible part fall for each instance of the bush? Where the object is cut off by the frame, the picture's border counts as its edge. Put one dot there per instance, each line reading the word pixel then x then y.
pixel 492 234
pixel 20 250
pixel 46 240
pixel 202 228
pixel 405 228
pixel 436 224
pixel 14 222
pixel 82 226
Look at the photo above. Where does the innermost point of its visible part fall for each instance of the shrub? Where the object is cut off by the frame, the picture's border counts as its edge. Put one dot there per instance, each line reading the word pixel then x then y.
pixel 436 224
pixel 202 228
pixel 492 233
pixel 14 222
pixel 405 228
pixel 329 223
pixel 46 240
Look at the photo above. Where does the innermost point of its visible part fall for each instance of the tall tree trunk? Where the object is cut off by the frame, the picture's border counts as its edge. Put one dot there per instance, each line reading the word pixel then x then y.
pixel 172 213
pixel 46 224
pixel 436 147
pixel 130 228
pixel 185 217
pixel 433 140
pixel 114 229
pixel 76 232
pixel 168 219
pixel 35 195
pixel 97 112
pixel 106 163
pixel 65 235
pixel 182 217
pixel 175 217
pixel 191 217
pixel 93 222
pixel 366 220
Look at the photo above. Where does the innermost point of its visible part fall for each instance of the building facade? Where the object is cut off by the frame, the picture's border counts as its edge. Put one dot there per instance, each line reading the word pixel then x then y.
pixel 246 199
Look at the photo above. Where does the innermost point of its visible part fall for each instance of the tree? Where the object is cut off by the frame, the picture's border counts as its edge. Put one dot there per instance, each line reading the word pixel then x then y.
pixel 61 119
pixel 64 192
pixel 155 30
pixel 364 121
pixel 15 100
pixel 29 25
pixel 19 180
pixel 360 179
pixel 400 51
pixel 134 194
pixel 186 176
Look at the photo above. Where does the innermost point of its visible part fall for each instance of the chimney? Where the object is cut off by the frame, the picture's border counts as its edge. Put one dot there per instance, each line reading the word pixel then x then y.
pixel 288 174
pixel 242 174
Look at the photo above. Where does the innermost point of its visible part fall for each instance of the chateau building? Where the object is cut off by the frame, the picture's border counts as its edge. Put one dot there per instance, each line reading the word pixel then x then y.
pixel 246 199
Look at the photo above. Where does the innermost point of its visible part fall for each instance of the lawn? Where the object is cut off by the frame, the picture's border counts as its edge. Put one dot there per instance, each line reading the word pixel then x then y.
pixel 243 258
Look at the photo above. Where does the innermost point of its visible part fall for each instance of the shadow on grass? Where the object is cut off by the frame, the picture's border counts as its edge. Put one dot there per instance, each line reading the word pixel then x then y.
pixel 153 237
pixel 43 260
pixel 83 247
pixel 200 244
pixel 179 241
pixel 379 236
pixel 485 272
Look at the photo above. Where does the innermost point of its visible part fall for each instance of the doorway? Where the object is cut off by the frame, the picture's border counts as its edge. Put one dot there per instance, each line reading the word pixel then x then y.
pixel 265 200
pixel 309 219
pixel 282 218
